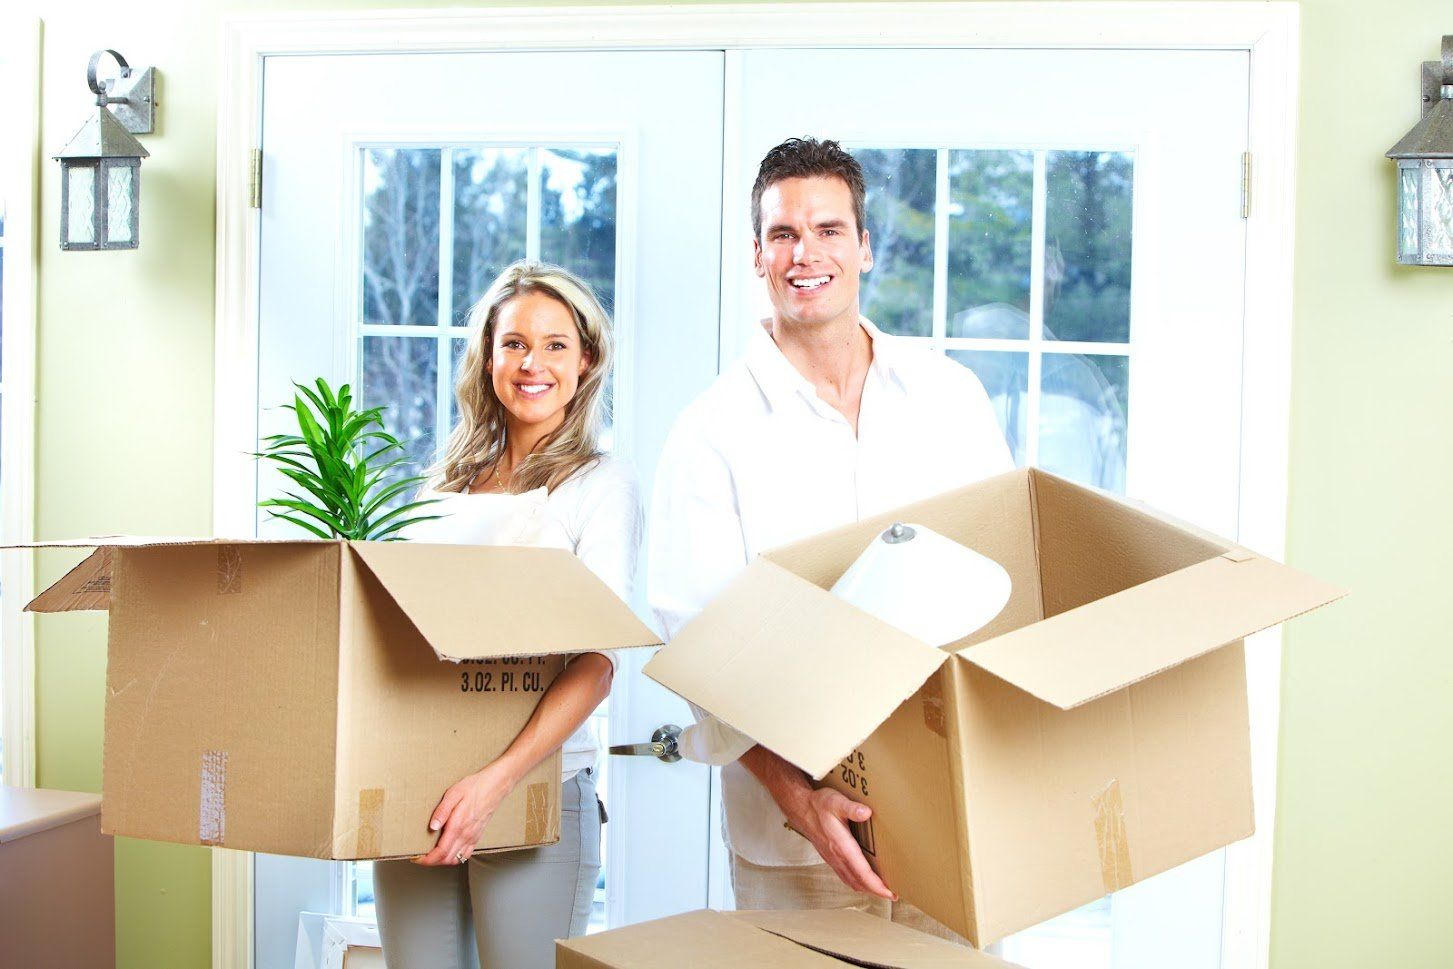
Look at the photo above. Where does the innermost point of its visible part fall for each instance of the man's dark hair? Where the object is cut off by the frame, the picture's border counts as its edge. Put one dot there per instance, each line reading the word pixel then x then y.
pixel 808 158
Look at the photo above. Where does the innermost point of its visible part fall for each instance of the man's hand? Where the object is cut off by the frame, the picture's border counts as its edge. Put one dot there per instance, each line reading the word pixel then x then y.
pixel 823 819
pixel 821 816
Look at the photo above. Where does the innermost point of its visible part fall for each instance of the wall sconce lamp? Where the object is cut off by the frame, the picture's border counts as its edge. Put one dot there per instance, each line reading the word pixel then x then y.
pixel 101 165
pixel 1425 171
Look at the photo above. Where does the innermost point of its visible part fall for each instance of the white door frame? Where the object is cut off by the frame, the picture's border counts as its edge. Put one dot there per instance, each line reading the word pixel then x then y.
pixel 1269 32
pixel 19 186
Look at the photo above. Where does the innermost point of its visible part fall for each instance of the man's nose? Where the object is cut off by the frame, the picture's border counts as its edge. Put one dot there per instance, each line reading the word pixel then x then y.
pixel 803 251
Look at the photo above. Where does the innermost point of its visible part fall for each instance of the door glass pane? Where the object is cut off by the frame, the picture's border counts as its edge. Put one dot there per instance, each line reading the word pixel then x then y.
pixel 1076 940
pixel 457 346
pixel 991 205
pixel 578 215
pixel 1005 376
pixel 401 235
pixel 490 217
pixel 897 295
pixel 399 375
pixel 1083 411
pixel 1087 245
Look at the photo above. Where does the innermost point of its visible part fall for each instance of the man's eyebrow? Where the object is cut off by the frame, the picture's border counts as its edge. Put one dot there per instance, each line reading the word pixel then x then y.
pixel 831 224
pixel 778 227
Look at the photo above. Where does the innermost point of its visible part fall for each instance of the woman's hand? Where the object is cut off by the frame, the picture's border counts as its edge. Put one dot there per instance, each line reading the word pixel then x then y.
pixel 463 812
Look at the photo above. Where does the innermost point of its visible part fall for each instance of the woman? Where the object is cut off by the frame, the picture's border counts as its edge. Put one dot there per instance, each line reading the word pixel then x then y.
pixel 522 467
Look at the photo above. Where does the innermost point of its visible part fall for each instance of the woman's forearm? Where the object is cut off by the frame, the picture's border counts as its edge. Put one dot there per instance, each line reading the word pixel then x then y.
pixel 568 701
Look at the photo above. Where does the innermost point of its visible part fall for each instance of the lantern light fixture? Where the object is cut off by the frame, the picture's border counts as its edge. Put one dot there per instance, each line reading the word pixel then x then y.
pixel 1425 171
pixel 101 164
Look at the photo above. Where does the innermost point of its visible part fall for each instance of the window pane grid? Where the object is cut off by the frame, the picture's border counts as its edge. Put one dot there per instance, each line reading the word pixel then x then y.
pixel 1015 233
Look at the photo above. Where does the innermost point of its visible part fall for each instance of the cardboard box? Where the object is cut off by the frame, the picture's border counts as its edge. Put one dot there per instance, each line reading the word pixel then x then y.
pixel 317 698
pixel 825 939
pixel 1093 734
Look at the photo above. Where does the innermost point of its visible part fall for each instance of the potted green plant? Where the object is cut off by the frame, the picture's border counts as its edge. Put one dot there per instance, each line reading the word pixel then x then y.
pixel 341 458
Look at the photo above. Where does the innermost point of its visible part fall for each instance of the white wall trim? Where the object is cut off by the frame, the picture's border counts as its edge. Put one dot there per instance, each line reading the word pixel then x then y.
pixel 1268 31
pixel 20 188
pixel 1265 451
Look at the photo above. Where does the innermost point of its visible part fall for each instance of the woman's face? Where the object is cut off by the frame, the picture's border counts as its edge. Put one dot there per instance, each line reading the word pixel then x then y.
pixel 537 360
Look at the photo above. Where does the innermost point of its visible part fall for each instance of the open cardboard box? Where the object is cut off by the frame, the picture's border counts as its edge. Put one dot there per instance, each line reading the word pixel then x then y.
pixel 317 698
pixel 1093 734
pixel 824 939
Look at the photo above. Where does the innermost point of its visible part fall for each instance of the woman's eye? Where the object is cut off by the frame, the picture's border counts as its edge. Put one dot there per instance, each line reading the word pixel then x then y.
pixel 557 346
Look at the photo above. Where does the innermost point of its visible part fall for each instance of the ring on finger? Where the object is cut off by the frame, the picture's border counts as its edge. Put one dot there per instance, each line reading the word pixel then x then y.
pixel 459 857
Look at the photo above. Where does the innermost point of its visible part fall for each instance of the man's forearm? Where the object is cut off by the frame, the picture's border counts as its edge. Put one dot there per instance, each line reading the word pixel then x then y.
pixel 789 786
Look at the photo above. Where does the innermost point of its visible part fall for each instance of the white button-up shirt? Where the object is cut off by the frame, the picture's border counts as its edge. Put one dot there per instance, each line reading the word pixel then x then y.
pixel 758 461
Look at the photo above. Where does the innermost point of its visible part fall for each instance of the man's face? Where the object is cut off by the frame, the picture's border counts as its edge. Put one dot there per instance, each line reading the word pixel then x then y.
pixel 810 250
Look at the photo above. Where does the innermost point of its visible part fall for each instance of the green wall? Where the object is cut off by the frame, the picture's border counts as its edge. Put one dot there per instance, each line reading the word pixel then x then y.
pixel 1364 845
pixel 125 348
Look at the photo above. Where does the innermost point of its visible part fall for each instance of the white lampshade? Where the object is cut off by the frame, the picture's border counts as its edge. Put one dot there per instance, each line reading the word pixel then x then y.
pixel 931 587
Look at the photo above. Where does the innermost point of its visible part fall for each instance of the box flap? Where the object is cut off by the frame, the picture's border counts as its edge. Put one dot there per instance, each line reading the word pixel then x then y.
pixel 83 588
pixel 792 666
pixel 482 601
pixel 702 939
pixel 88 585
pixel 1105 645
pixel 862 940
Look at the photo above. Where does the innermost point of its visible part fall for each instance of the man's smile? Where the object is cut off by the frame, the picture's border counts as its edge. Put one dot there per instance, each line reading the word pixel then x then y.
pixel 810 282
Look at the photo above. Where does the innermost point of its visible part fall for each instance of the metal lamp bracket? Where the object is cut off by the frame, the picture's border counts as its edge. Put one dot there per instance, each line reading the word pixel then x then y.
pixel 1437 75
pixel 130 95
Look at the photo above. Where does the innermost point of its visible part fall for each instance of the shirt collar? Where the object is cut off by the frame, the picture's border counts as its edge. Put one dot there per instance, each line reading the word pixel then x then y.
pixel 780 381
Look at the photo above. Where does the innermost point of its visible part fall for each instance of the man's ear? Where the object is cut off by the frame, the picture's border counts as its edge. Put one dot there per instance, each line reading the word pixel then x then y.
pixel 757 266
pixel 867 250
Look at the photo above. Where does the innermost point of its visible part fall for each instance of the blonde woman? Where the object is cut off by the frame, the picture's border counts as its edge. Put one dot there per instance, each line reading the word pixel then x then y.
pixel 522 466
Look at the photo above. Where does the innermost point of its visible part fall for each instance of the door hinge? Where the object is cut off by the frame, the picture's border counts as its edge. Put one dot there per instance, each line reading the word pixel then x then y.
pixel 1246 184
pixel 254 180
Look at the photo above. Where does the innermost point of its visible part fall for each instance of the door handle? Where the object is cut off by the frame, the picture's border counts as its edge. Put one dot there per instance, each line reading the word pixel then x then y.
pixel 662 746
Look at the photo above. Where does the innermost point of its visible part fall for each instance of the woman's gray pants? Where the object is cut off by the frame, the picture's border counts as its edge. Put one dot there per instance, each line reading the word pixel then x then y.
pixel 520 901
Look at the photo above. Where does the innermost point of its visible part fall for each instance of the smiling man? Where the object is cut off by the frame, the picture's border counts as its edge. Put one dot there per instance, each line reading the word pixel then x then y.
pixel 825 421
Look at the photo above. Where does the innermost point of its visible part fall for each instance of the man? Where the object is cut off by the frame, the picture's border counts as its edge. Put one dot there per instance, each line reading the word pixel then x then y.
pixel 825 421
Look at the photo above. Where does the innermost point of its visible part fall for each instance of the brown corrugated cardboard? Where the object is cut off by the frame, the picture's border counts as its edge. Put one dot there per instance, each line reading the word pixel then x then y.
pixel 1091 735
pixel 289 697
pixel 824 939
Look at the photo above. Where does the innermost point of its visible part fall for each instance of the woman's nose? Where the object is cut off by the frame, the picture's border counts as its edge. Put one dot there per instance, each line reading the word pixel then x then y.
pixel 528 363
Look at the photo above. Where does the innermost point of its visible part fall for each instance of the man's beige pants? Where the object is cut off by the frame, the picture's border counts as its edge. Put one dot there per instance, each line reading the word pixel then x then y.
pixel 818 886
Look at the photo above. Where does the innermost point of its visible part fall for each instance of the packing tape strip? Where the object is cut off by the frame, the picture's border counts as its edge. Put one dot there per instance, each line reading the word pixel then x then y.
pixel 537 813
pixel 212 799
pixel 229 570
pixel 370 823
pixel 1111 837
pixel 933 712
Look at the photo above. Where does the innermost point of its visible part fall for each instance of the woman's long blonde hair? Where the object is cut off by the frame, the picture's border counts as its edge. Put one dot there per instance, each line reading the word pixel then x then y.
pixel 478 440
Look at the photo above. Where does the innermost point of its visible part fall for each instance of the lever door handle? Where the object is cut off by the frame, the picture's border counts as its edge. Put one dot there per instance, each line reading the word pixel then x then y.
pixel 662 746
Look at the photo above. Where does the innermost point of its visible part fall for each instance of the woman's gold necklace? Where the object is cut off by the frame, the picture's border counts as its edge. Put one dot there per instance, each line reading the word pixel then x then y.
pixel 497 479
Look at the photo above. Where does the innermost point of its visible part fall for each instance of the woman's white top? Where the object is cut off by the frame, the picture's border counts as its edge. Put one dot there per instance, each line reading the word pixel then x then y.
pixel 596 514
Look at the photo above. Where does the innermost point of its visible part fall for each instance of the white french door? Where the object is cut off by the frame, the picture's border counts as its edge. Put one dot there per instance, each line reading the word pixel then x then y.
pixel 1067 224
pixel 395 188
pixel 1059 221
